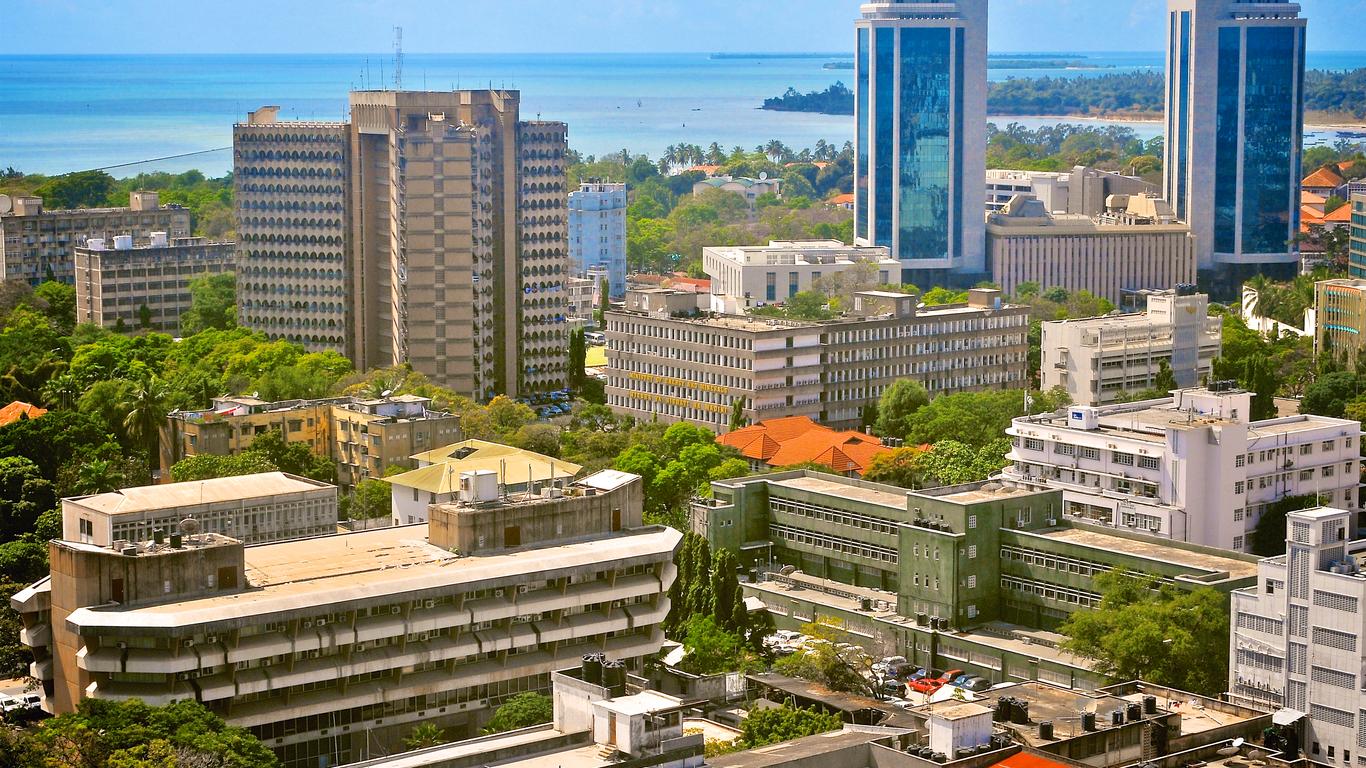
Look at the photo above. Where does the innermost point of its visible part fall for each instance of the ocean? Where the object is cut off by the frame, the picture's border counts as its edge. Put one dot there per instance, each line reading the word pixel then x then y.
pixel 69 113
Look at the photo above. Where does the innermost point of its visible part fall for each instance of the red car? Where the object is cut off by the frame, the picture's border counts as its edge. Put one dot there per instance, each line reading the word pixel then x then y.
pixel 928 685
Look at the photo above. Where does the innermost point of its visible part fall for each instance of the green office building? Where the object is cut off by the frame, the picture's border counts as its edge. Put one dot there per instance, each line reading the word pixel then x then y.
pixel 976 577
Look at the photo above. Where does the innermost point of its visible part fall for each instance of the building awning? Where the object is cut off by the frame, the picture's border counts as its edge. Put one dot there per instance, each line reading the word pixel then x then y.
pixel 756 545
pixel 1287 717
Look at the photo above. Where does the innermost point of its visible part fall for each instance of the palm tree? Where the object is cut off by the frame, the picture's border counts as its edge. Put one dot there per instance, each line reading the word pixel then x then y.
pixel 775 150
pixel 62 392
pixel 824 150
pixel 146 411
pixel 98 476
pixel 715 155
pixel 425 735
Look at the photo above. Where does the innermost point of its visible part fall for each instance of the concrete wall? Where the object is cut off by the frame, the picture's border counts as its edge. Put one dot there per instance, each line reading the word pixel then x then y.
pixel 478 530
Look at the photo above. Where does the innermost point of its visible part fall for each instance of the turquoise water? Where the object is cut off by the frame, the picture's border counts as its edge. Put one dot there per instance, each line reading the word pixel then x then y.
pixel 66 113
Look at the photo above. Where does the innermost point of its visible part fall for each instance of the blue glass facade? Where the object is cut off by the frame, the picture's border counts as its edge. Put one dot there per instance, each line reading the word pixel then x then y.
pixel 1182 81
pixel 884 131
pixel 959 63
pixel 1226 141
pixel 926 92
pixel 861 160
pixel 1269 122
pixel 1356 266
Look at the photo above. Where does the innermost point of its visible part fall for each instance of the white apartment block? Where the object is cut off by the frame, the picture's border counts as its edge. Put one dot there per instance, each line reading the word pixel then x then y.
pixel 597 231
pixel 1296 635
pixel 331 649
pixel 743 277
pixel 1189 468
pixel 688 368
pixel 1099 358
pixel 266 507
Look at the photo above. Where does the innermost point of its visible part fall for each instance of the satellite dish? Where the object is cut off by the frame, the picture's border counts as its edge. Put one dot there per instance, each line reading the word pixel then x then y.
pixel 763 175
pixel 6 205
pixel 386 393
pixel 1232 749
pixel 189 526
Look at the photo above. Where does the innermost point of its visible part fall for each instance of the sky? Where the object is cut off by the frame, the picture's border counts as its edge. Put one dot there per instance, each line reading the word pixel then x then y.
pixel 546 26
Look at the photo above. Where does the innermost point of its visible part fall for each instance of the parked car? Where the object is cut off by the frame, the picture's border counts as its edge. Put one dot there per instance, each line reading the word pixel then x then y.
pixel 924 672
pixel 929 685
pixel 893 687
pixel 974 683
pixel 887 666
pixel 10 704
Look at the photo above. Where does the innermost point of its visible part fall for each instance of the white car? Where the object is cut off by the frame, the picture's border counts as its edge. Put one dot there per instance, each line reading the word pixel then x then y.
pixel 10 704
pixel 32 701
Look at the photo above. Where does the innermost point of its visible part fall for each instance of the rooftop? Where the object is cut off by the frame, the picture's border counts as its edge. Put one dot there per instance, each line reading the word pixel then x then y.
pixel 19 410
pixel 170 496
pixel 799 440
pixel 847 490
pixel 380 564
pixel 809 748
pixel 515 466
pixel 1162 550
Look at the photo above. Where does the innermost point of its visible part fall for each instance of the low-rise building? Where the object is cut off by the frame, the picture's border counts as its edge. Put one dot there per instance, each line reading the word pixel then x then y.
pixel 799 440
pixel 1099 359
pixel 330 647
pixel 19 410
pixel 743 277
pixel 597 231
pixel 976 577
pixel 1082 190
pixel 1189 468
pixel 256 509
pixel 1296 634
pixel 444 473
pixel 695 368
pixel 116 287
pixel 364 436
pixel 37 244
pixel 1136 246
pixel 750 189
pixel 1340 318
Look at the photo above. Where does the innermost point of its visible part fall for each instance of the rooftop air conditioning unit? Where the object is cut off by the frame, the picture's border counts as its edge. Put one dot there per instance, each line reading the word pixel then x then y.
pixel 521 589
pixel 394 609
pixel 497 593
pixel 429 604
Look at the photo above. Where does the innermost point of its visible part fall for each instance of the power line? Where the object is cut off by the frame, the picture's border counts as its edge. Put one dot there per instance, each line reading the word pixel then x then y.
pixel 151 160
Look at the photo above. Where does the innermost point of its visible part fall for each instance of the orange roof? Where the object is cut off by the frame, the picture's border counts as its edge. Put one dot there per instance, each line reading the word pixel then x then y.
pixel 1024 759
pixel 818 163
pixel 1325 177
pixel 1339 215
pixel 710 170
pixel 1346 165
pixel 19 410
pixel 1311 198
pixel 699 282
pixel 842 199
pixel 799 440
pixel 1310 215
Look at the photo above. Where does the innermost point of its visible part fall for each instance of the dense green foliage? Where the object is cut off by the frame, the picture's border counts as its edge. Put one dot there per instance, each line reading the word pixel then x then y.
pixel 1062 146
pixel 213 304
pixel 675 467
pixel 836 665
pixel 1340 94
pixel 371 499
pixel 777 724
pixel 521 711
pixel 1268 538
pixel 1142 630
pixel 131 734
pixel 947 462
pixel 208 200
pixel 706 599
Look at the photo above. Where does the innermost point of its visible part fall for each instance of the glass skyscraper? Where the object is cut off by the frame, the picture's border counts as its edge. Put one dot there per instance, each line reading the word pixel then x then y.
pixel 920 116
pixel 1235 125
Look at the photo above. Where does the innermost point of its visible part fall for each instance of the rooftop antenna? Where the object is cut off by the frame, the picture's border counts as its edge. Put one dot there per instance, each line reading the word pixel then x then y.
pixel 398 58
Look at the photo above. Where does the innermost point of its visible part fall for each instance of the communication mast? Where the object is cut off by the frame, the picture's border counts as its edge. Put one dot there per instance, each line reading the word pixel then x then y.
pixel 398 58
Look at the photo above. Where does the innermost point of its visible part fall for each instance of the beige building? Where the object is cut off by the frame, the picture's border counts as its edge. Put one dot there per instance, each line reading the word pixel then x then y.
pixel 261 508
pixel 38 244
pixel 743 277
pixel 1097 359
pixel 331 649
pixel 1132 248
pixel 443 473
pixel 750 189
pixel 113 284
pixel 365 437
pixel 430 229
pixel 1082 190
pixel 1340 310
pixel 695 368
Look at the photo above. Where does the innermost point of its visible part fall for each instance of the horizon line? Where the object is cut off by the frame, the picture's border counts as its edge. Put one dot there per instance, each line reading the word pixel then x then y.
pixel 812 52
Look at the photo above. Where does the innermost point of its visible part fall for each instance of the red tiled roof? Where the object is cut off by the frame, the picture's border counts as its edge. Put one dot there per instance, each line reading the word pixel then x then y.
pixel 1311 198
pixel 1028 760
pixel 1339 215
pixel 17 410
pixel 846 199
pixel 799 440
pixel 1326 177
pixel 710 170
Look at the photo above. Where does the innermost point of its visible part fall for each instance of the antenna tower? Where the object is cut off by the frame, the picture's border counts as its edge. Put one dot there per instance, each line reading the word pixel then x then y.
pixel 398 58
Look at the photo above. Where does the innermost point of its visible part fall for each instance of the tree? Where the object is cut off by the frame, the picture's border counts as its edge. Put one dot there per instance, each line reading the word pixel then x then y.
pixel 130 733
pixel 145 412
pixel 144 317
pixel 712 650
pixel 1268 538
pixel 1330 394
pixel 898 404
pixel 24 495
pixel 425 735
pixel 1259 378
pixel 737 414
pixel 60 305
pixel 778 724
pixel 839 667
pixel 604 301
pixel 895 467
pixel 206 466
pixel 62 391
pixel 1142 630
pixel 578 354
pixel 1166 380
pixel 521 711
pixel 84 189
pixel 294 458
pixel 213 304
pixel 371 499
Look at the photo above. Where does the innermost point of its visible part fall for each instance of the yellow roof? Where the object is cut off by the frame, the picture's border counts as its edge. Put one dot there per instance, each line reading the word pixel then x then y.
pixel 595 357
pixel 514 466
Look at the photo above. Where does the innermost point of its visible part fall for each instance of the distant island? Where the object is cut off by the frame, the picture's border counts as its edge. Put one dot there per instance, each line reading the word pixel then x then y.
pixel 1330 97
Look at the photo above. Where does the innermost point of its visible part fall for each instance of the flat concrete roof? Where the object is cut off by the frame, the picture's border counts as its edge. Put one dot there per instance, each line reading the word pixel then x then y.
pixel 1154 550
pixel 150 498
pixel 808 748
pixel 643 703
pixel 386 563
pixel 846 490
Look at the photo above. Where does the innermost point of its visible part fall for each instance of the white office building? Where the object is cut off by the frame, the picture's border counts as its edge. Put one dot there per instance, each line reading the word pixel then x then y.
pixel 597 231
pixel 743 277
pixel 1191 467
pixel 920 123
pixel 1296 635
pixel 1081 191
pixel 1235 117
pixel 1098 359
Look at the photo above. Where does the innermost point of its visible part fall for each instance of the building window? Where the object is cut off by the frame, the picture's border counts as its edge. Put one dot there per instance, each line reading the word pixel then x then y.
pixel 1090 453
pixel 1127 459
pixel 1148 462
pixel 1031 444
pixel 1239 461
pixel 1238 488
pixel 1238 543
pixel 1064 449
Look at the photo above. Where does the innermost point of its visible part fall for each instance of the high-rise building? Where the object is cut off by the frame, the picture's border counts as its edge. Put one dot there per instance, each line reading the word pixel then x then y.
pixel 920 116
pixel 1235 122
pixel 1356 266
pixel 597 231
pixel 37 244
pixel 1340 318
pixel 430 229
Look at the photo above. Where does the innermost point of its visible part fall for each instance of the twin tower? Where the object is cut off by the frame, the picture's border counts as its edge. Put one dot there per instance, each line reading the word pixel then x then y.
pixel 1234 128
